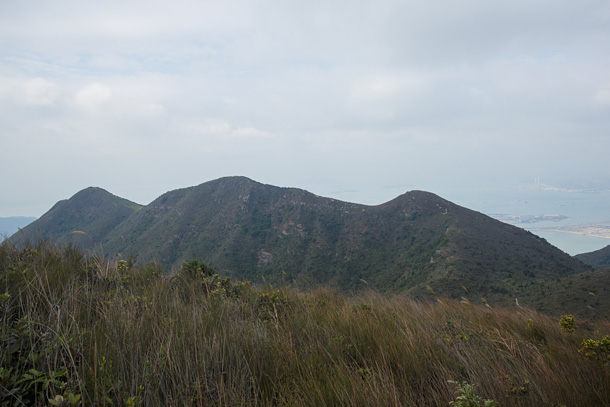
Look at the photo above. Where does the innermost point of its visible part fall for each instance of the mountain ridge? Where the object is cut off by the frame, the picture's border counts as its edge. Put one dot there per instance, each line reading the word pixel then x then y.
pixel 416 243
pixel 598 259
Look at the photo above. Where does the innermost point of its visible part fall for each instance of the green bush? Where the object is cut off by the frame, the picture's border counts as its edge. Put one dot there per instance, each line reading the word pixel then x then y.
pixel 568 323
pixel 466 396
pixel 272 305
pixel 26 375
pixel 195 268
pixel 596 349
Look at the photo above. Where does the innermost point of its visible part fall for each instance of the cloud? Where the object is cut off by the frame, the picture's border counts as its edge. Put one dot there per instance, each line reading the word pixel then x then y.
pixel 340 93
pixel 377 87
pixel 249 133
pixel 37 92
pixel 92 97
pixel 602 95
pixel 224 130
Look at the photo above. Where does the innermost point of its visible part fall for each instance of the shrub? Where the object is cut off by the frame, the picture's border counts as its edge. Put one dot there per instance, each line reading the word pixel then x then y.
pixel 568 323
pixel 27 376
pixel 466 396
pixel 272 305
pixel 195 268
pixel 598 350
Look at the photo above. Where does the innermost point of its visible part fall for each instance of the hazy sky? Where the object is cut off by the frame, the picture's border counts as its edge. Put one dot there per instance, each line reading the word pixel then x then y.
pixel 358 100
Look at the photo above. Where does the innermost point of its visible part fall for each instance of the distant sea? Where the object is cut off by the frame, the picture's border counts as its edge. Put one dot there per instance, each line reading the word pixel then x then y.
pixel 579 207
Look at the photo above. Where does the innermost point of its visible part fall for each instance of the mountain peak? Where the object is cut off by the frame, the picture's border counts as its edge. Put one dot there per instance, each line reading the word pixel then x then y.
pixel 232 179
pixel 91 192
pixel 92 210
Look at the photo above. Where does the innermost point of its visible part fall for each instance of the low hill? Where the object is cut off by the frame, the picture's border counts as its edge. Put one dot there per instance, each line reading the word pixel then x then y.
pixel 598 259
pixel 93 211
pixel 418 243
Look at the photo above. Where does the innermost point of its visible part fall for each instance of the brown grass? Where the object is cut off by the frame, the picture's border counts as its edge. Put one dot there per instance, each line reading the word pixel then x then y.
pixel 138 337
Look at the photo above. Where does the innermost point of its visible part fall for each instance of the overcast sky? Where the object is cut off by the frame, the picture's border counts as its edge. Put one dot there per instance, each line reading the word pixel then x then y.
pixel 358 100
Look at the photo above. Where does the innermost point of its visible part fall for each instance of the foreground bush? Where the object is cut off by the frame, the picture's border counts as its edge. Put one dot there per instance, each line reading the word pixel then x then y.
pixel 80 330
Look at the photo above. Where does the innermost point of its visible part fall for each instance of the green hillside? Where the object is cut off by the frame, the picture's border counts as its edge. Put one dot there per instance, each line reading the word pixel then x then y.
pixel 93 211
pixel 598 259
pixel 417 244
pixel 413 244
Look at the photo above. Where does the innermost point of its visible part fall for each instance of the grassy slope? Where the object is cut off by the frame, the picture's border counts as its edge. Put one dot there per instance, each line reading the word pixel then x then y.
pixel 128 334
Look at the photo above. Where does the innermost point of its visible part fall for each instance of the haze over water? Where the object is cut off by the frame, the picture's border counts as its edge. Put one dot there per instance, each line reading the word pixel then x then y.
pixel 579 207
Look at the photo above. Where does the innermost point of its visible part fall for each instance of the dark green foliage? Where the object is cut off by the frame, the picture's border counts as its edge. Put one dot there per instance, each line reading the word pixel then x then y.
pixel 195 268
pixel 272 305
pixel 212 284
pixel 34 362
pixel 85 219
pixel 599 259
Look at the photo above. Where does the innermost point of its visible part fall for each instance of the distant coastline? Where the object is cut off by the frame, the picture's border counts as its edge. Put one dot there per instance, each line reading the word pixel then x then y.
pixel 601 229
pixel 518 219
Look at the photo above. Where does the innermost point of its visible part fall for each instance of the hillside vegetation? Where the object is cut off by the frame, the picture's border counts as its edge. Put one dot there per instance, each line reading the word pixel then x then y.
pixel 598 259
pixel 80 330
pixel 93 211
pixel 416 244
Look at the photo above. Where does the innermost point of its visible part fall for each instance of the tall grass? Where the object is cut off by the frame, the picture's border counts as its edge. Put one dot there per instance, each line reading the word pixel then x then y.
pixel 82 330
